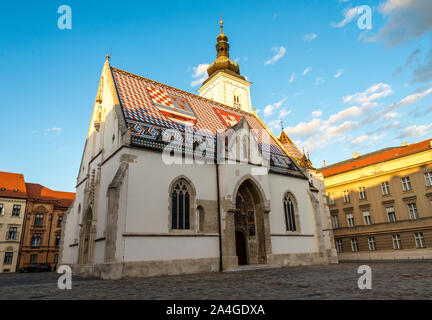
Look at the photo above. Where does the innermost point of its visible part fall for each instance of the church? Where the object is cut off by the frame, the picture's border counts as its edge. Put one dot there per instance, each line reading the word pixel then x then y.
pixel 172 183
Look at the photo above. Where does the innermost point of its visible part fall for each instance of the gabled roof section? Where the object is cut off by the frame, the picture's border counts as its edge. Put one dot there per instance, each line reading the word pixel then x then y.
pixel 379 156
pixel 12 185
pixel 39 192
pixel 150 107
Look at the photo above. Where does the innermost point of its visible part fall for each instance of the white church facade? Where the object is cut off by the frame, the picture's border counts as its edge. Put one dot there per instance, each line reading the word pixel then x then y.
pixel 171 183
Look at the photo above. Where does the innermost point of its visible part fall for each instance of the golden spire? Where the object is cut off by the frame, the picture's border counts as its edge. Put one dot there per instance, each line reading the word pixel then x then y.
pixel 107 57
pixel 221 24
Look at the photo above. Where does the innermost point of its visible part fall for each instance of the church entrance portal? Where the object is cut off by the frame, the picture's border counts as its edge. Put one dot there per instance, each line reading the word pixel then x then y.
pixel 249 225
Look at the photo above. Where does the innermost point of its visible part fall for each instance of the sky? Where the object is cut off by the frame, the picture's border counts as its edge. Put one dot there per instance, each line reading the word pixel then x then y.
pixel 339 84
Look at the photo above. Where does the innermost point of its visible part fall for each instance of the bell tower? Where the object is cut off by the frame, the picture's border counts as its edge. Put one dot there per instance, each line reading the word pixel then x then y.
pixel 225 84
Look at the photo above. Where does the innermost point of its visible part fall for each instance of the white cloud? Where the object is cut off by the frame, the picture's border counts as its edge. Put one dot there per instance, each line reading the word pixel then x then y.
pixel 268 110
pixel 406 19
pixel 307 70
pixel 304 128
pixel 309 37
pixel 54 130
pixel 280 52
pixel 359 139
pixel 292 77
pixel 349 15
pixel 199 74
pixel 376 91
pixel 316 114
pixel 283 113
pixel 344 114
pixel 339 73
pixel 416 131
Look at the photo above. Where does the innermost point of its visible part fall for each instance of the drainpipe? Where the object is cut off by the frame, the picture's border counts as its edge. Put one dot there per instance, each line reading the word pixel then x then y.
pixel 219 216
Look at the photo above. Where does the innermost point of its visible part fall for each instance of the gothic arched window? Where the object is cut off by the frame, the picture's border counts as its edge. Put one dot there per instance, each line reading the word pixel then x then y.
pixel 290 213
pixel 181 198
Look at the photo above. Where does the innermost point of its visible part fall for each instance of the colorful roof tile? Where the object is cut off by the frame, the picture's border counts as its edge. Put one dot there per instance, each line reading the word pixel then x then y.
pixel 12 185
pixel 151 107
pixel 39 192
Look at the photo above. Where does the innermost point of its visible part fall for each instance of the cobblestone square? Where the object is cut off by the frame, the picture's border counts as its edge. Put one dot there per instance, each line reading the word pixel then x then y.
pixel 390 280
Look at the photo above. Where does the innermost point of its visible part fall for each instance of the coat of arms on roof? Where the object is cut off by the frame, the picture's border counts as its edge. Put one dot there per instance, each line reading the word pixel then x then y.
pixel 227 118
pixel 173 107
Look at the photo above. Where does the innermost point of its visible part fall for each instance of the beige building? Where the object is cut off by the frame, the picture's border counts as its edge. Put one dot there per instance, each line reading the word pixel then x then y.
pixel 13 196
pixel 381 203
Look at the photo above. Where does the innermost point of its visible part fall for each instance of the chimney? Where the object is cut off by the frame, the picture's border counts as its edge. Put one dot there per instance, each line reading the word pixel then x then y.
pixel 356 155
pixel 404 144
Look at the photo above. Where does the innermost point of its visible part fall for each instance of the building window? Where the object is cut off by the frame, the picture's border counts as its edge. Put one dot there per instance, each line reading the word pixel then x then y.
pixel 60 221
pixel 412 209
pixel 12 234
pixel 39 220
pixel 339 246
pixel 35 242
pixel 8 258
pixel 346 196
pixel 33 258
pixel 350 220
pixel 16 210
pixel 419 240
pixel 385 188
pixel 180 205
pixel 367 218
pixel 57 240
pixel 354 245
pixel 391 214
pixel 2 209
pixel 335 221
pixel 428 178
pixel 397 244
pixel 362 193
pixel 289 209
pixel 406 184
pixel 331 198
pixel 372 244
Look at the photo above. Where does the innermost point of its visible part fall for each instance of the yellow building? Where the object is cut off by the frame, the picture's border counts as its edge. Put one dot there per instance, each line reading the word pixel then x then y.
pixel 13 199
pixel 381 203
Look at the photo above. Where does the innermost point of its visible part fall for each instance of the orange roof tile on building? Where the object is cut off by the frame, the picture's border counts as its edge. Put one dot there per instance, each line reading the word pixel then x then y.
pixel 12 185
pixel 39 192
pixel 376 157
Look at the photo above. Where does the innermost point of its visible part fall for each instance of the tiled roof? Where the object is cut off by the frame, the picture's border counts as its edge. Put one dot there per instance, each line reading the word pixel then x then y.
pixel 12 185
pixel 39 192
pixel 376 157
pixel 290 146
pixel 146 104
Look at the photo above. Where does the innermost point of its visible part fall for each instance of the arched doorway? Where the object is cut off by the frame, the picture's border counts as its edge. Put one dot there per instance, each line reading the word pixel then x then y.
pixel 241 248
pixel 85 237
pixel 249 225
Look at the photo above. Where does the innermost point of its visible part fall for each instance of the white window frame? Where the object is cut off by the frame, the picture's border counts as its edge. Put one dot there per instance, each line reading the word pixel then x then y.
pixel 339 246
pixel 397 243
pixel 385 188
pixel 419 240
pixel 362 193
pixel 412 210
pixel 354 245
pixel 391 210
pixel 428 178
pixel 367 217
pixel 350 220
pixel 406 184
pixel 335 221
pixel 372 244
pixel 346 196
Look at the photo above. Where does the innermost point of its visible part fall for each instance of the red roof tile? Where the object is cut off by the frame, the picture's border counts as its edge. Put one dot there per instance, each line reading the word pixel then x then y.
pixel 386 155
pixel 37 191
pixel 12 185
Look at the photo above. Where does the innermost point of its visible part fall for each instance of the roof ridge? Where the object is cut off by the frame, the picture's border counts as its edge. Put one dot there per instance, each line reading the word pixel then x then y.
pixel 177 89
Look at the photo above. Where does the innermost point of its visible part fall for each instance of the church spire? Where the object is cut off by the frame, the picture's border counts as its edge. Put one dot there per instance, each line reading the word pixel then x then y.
pixel 223 62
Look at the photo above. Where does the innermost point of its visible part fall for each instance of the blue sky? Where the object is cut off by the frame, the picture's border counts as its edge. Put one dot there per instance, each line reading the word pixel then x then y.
pixel 338 89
